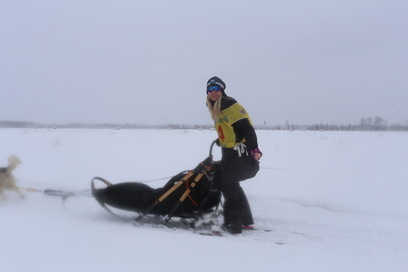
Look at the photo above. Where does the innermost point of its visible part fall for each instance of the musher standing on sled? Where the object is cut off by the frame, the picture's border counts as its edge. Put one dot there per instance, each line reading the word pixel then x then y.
pixel 240 153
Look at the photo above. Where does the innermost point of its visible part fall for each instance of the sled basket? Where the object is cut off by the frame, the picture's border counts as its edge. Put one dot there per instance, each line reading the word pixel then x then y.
pixel 189 194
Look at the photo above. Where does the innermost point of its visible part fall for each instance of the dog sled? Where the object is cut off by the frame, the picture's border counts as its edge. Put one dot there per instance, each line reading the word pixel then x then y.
pixel 190 195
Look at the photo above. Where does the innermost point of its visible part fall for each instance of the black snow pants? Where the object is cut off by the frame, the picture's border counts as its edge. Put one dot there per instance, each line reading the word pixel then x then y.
pixel 236 165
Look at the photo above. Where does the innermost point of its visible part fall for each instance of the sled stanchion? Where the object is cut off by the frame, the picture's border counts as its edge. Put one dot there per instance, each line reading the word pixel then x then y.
pixel 172 189
pixel 201 209
pixel 165 195
pixel 183 197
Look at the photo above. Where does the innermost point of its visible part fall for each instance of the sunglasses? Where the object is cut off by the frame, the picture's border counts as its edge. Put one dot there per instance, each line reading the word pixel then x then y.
pixel 213 88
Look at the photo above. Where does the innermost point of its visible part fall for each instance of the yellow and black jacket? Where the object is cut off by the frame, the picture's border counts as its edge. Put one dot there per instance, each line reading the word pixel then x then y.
pixel 234 125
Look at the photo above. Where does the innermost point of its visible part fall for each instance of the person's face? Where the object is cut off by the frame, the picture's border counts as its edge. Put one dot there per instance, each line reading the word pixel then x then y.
pixel 214 92
pixel 214 95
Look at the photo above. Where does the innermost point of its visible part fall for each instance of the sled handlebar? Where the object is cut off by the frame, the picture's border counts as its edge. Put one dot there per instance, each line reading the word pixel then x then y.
pixel 211 147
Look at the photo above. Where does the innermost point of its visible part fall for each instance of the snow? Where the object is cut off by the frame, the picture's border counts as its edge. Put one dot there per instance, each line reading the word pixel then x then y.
pixel 336 201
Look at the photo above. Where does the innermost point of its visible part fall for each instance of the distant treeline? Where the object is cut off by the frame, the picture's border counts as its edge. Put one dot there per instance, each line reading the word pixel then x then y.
pixel 366 124
pixel 23 124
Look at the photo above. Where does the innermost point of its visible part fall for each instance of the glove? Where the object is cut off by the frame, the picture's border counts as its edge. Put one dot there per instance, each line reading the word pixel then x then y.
pixel 256 154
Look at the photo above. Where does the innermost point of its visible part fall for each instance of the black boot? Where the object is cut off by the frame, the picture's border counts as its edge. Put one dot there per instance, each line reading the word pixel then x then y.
pixel 232 228
pixel 245 210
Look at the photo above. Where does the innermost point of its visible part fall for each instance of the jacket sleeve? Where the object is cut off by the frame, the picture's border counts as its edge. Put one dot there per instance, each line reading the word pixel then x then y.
pixel 244 129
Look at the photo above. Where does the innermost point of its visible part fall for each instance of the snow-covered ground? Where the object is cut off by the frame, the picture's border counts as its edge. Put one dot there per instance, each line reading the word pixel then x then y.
pixel 336 201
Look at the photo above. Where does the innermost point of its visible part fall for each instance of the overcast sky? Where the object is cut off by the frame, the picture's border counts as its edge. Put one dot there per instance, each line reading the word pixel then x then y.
pixel 147 62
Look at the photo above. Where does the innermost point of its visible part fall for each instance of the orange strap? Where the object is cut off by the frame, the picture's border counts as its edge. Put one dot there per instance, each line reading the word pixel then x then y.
pixel 189 196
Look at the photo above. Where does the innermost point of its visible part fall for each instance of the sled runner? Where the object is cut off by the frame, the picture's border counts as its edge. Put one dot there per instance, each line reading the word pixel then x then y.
pixel 189 194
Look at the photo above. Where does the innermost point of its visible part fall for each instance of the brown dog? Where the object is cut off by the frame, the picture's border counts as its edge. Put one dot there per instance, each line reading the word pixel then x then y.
pixel 7 181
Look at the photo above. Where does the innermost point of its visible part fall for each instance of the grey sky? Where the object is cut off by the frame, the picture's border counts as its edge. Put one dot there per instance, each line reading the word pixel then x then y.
pixel 147 62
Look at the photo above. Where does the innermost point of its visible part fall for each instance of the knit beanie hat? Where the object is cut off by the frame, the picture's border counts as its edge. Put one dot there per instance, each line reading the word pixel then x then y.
pixel 216 81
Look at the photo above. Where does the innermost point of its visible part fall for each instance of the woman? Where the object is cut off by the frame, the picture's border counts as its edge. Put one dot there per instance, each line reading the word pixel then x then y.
pixel 240 154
